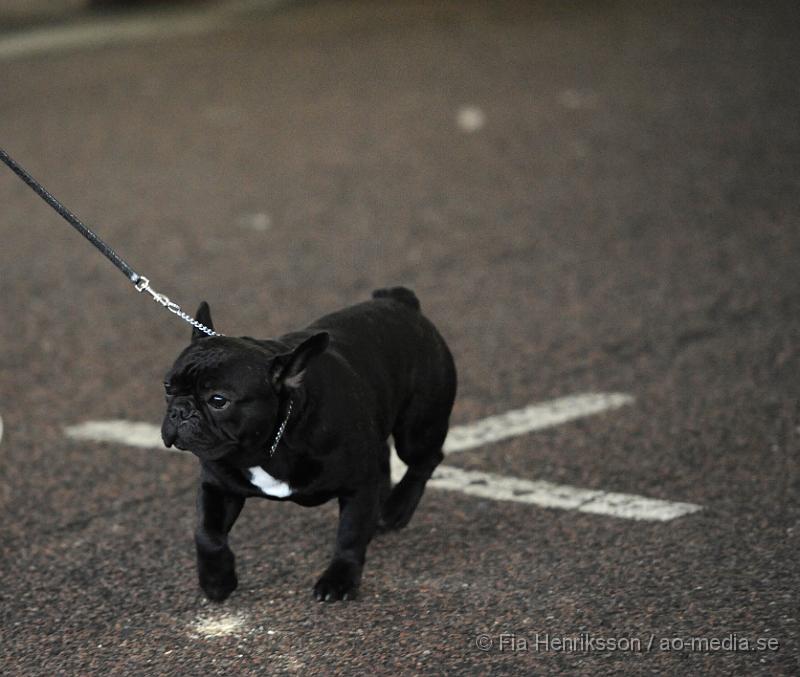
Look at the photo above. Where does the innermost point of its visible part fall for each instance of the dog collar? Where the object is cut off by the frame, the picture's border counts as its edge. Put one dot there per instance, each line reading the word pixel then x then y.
pixel 281 429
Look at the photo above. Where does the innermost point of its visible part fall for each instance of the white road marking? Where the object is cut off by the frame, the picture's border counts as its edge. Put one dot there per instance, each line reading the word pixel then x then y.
pixel 130 433
pixel 1 428
pixel 470 118
pixel 472 482
pixel 531 418
pixel 460 438
pixel 562 496
pixel 97 32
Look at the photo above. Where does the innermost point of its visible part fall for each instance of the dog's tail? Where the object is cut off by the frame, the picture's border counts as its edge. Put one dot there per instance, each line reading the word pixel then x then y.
pixel 401 294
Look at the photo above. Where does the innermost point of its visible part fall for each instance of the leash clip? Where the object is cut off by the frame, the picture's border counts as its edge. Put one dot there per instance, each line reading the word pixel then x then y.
pixel 144 285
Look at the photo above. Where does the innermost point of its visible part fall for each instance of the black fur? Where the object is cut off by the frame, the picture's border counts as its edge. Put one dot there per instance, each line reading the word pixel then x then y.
pixel 354 378
pixel 398 294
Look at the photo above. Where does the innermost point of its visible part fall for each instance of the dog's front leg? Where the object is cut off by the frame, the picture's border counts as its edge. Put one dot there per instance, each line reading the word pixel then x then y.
pixel 358 515
pixel 216 512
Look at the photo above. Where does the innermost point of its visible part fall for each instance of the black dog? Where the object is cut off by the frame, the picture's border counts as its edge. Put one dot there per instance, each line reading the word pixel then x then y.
pixel 307 418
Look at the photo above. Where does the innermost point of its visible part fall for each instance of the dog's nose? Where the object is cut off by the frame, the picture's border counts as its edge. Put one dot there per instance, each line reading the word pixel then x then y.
pixel 180 411
pixel 169 435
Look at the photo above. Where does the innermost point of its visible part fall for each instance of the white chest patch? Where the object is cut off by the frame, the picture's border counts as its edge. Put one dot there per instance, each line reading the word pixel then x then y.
pixel 267 483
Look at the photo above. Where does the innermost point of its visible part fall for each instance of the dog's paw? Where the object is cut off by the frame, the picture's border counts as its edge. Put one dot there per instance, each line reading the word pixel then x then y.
pixel 339 582
pixel 397 509
pixel 219 588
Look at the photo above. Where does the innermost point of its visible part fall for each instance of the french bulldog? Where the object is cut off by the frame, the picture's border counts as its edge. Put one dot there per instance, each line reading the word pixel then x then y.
pixel 306 418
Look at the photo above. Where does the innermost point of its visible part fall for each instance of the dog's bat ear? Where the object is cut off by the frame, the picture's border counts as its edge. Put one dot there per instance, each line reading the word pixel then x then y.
pixel 288 369
pixel 203 316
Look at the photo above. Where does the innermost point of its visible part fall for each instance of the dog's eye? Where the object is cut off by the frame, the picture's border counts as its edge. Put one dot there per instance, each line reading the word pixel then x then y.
pixel 218 401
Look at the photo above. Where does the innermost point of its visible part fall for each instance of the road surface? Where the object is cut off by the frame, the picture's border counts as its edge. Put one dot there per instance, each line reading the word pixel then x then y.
pixel 591 201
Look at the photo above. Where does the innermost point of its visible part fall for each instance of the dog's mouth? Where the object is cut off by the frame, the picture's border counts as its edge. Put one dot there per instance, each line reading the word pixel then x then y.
pixel 200 448
pixel 214 454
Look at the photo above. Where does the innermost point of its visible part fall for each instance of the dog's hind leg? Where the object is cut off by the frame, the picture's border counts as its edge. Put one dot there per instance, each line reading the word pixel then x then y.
pixel 419 445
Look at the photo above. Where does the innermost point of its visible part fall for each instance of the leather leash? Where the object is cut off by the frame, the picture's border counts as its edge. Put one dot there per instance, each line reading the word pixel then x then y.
pixel 140 282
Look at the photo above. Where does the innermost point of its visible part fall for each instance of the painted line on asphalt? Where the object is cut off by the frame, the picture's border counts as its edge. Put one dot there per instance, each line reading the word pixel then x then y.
pixel 532 418
pixel 1 428
pixel 130 433
pixel 136 27
pixel 560 496
pixel 471 482
pixel 460 438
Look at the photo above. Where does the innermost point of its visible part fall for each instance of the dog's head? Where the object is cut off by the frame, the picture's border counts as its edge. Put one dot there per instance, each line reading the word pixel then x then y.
pixel 224 394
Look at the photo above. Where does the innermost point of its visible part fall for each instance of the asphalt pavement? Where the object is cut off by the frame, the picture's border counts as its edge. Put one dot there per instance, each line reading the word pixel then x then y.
pixel 586 197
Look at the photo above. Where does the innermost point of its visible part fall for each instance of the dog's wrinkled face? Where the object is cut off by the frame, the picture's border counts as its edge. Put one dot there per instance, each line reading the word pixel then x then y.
pixel 223 394
pixel 220 399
